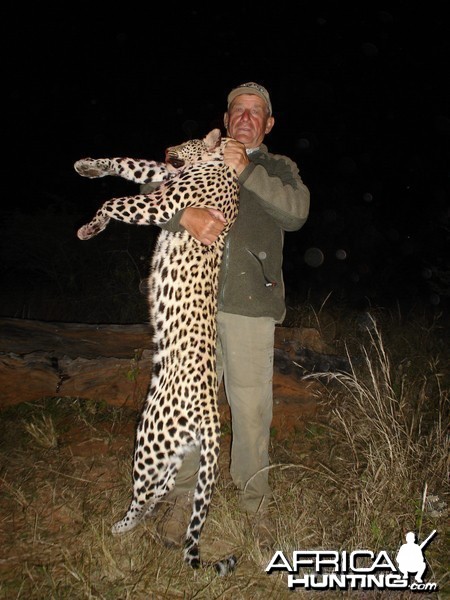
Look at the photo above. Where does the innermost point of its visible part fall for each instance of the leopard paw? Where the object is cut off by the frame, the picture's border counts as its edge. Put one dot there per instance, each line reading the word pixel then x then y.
pixel 91 230
pixel 123 526
pixel 85 233
pixel 93 167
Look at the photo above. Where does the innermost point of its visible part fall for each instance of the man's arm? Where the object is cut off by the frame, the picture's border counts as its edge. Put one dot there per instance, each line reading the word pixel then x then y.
pixel 204 224
pixel 280 192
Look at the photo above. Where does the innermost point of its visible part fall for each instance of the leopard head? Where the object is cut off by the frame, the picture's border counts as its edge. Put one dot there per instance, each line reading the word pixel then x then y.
pixel 187 154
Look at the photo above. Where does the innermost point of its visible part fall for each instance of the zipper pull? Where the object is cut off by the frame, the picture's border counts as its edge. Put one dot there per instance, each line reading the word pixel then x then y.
pixel 268 282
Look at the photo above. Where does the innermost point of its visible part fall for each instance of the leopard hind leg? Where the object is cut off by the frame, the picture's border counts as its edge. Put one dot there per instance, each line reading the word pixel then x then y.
pixel 147 493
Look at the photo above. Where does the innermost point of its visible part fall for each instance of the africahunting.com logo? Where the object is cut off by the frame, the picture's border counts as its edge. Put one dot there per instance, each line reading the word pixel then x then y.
pixel 360 569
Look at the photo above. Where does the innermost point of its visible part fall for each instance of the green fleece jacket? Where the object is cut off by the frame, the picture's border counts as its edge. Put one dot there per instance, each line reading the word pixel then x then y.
pixel 273 199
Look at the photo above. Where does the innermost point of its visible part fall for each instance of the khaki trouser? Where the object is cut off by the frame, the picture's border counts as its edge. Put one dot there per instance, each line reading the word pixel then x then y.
pixel 245 361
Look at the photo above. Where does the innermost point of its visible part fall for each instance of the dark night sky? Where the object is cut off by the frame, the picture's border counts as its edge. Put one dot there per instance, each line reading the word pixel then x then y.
pixel 359 95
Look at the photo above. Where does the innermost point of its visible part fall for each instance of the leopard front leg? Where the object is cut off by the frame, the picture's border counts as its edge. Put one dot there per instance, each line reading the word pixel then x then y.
pixel 137 170
pixel 135 210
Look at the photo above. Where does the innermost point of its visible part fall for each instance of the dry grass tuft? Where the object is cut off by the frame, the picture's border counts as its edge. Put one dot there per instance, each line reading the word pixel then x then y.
pixel 42 431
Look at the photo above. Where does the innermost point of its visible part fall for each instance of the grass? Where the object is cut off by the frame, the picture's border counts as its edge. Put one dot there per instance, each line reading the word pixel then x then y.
pixel 370 466
pixel 42 431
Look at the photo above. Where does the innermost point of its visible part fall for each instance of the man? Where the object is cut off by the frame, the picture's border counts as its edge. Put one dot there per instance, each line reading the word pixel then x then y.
pixel 273 199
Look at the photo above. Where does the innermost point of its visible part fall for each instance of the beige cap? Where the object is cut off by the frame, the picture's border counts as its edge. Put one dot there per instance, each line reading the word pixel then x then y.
pixel 251 88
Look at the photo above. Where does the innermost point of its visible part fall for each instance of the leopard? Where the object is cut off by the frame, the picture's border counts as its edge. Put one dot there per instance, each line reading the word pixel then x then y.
pixel 180 411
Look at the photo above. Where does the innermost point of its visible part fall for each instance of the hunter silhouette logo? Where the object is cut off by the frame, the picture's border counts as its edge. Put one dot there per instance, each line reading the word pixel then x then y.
pixel 410 556
pixel 359 569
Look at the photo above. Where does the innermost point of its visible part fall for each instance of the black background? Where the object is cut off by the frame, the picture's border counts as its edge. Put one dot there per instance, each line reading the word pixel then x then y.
pixel 360 99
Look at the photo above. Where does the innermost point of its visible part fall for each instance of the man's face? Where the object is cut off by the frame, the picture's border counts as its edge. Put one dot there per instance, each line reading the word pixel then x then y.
pixel 247 120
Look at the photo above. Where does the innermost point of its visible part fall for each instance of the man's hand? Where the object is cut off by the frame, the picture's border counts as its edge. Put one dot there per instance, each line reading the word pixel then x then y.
pixel 235 156
pixel 204 224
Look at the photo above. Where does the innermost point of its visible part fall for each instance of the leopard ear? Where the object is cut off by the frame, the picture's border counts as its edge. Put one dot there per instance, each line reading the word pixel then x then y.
pixel 212 140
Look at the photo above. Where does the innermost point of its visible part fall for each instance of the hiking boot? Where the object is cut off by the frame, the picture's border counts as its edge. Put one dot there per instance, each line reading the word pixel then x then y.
pixel 158 509
pixel 264 531
pixel 172 526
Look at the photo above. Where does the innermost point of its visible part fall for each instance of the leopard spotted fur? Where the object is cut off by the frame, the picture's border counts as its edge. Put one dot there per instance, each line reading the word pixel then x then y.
pixel 180 410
